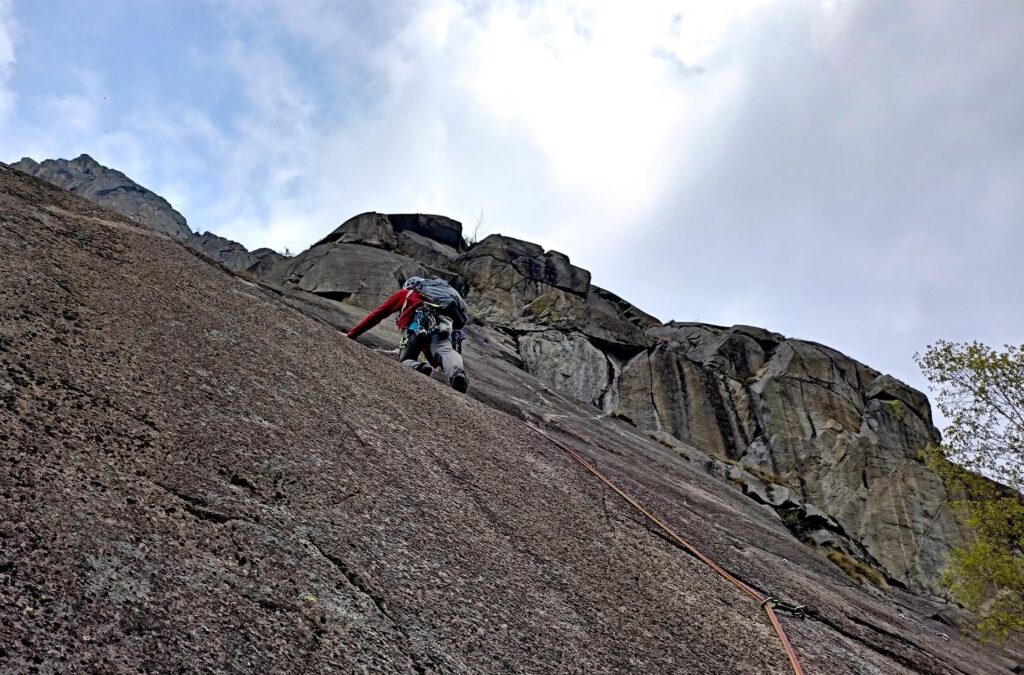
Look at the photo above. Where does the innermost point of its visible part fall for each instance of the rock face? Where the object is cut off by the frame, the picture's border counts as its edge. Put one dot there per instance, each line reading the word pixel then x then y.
pixel 807 422
pixel 199 473
pixel 803 419
pixel 110 188
pixel 266 260
pixel 829 443
pixel 367 258
pixel 568 363
pixel 87 177
pixel 436 228
pixel 229 253
pixel 834 432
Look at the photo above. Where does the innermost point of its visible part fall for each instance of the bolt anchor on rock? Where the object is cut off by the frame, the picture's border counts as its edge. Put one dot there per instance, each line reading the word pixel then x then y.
pixel 799 611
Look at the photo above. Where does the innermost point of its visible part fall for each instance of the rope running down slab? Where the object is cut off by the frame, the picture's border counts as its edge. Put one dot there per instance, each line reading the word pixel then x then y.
pixel 764 601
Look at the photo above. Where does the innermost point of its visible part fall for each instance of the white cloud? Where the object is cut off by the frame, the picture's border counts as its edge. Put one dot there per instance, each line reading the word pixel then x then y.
pixel 78 111
pixel 808 167
pixel 585 104
pixel 843 171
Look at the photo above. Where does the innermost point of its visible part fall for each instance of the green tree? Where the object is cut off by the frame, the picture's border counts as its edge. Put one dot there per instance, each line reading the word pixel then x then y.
pixel 981 392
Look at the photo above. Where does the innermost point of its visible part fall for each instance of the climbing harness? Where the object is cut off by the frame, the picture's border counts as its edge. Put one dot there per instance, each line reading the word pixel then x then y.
pixel 767 603
pixel 426 321
pixel 924 627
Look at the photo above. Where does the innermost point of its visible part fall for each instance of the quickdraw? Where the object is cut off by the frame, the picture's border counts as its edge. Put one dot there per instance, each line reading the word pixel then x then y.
pixel 926 628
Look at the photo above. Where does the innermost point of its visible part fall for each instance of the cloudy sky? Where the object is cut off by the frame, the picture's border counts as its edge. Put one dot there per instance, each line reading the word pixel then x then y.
pixel 847 172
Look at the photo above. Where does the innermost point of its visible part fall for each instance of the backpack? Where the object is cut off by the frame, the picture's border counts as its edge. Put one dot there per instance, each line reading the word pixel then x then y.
pixel 445 299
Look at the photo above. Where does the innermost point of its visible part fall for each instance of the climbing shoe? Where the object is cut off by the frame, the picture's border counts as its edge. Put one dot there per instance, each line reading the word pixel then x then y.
pixel 424 368
pixel 460 382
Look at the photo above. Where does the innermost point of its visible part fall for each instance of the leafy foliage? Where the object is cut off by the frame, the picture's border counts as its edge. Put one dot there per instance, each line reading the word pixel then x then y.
pixel 981 392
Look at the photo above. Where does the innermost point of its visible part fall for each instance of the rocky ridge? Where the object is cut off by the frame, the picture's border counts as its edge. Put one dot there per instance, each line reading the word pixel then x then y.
pixel 802 427
pixel 805 426
pixel 111 188
pixel 828 444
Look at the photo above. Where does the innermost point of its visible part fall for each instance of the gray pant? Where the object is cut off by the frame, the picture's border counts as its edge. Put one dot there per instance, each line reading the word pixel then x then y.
pixel 438 350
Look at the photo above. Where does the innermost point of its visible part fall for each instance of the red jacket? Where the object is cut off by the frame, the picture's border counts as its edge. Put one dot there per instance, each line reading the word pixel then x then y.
pixel 404 301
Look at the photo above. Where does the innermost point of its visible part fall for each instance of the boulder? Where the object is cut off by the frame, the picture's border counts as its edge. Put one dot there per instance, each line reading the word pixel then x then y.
pixel 369 229
pixel 426 250
pixel 531 262
pixel 734 354
pixel 621 309
pixel 617 325
pixel 441 229
pixel 811 515
pixel 751 485
pixel 767 340
pixel 888 388
pixel 266 262
pixel 824 539
pixel 229 253
pixel 383 231
pixel 590 315
pixel 517 285
pixel 358 275
pixel 806 387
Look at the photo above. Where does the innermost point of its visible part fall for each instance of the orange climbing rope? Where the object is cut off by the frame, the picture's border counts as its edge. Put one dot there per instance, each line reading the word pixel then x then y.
pixel 764 601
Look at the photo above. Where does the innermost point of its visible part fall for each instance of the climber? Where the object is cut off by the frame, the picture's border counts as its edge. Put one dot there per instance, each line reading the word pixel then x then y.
pixel 431 315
